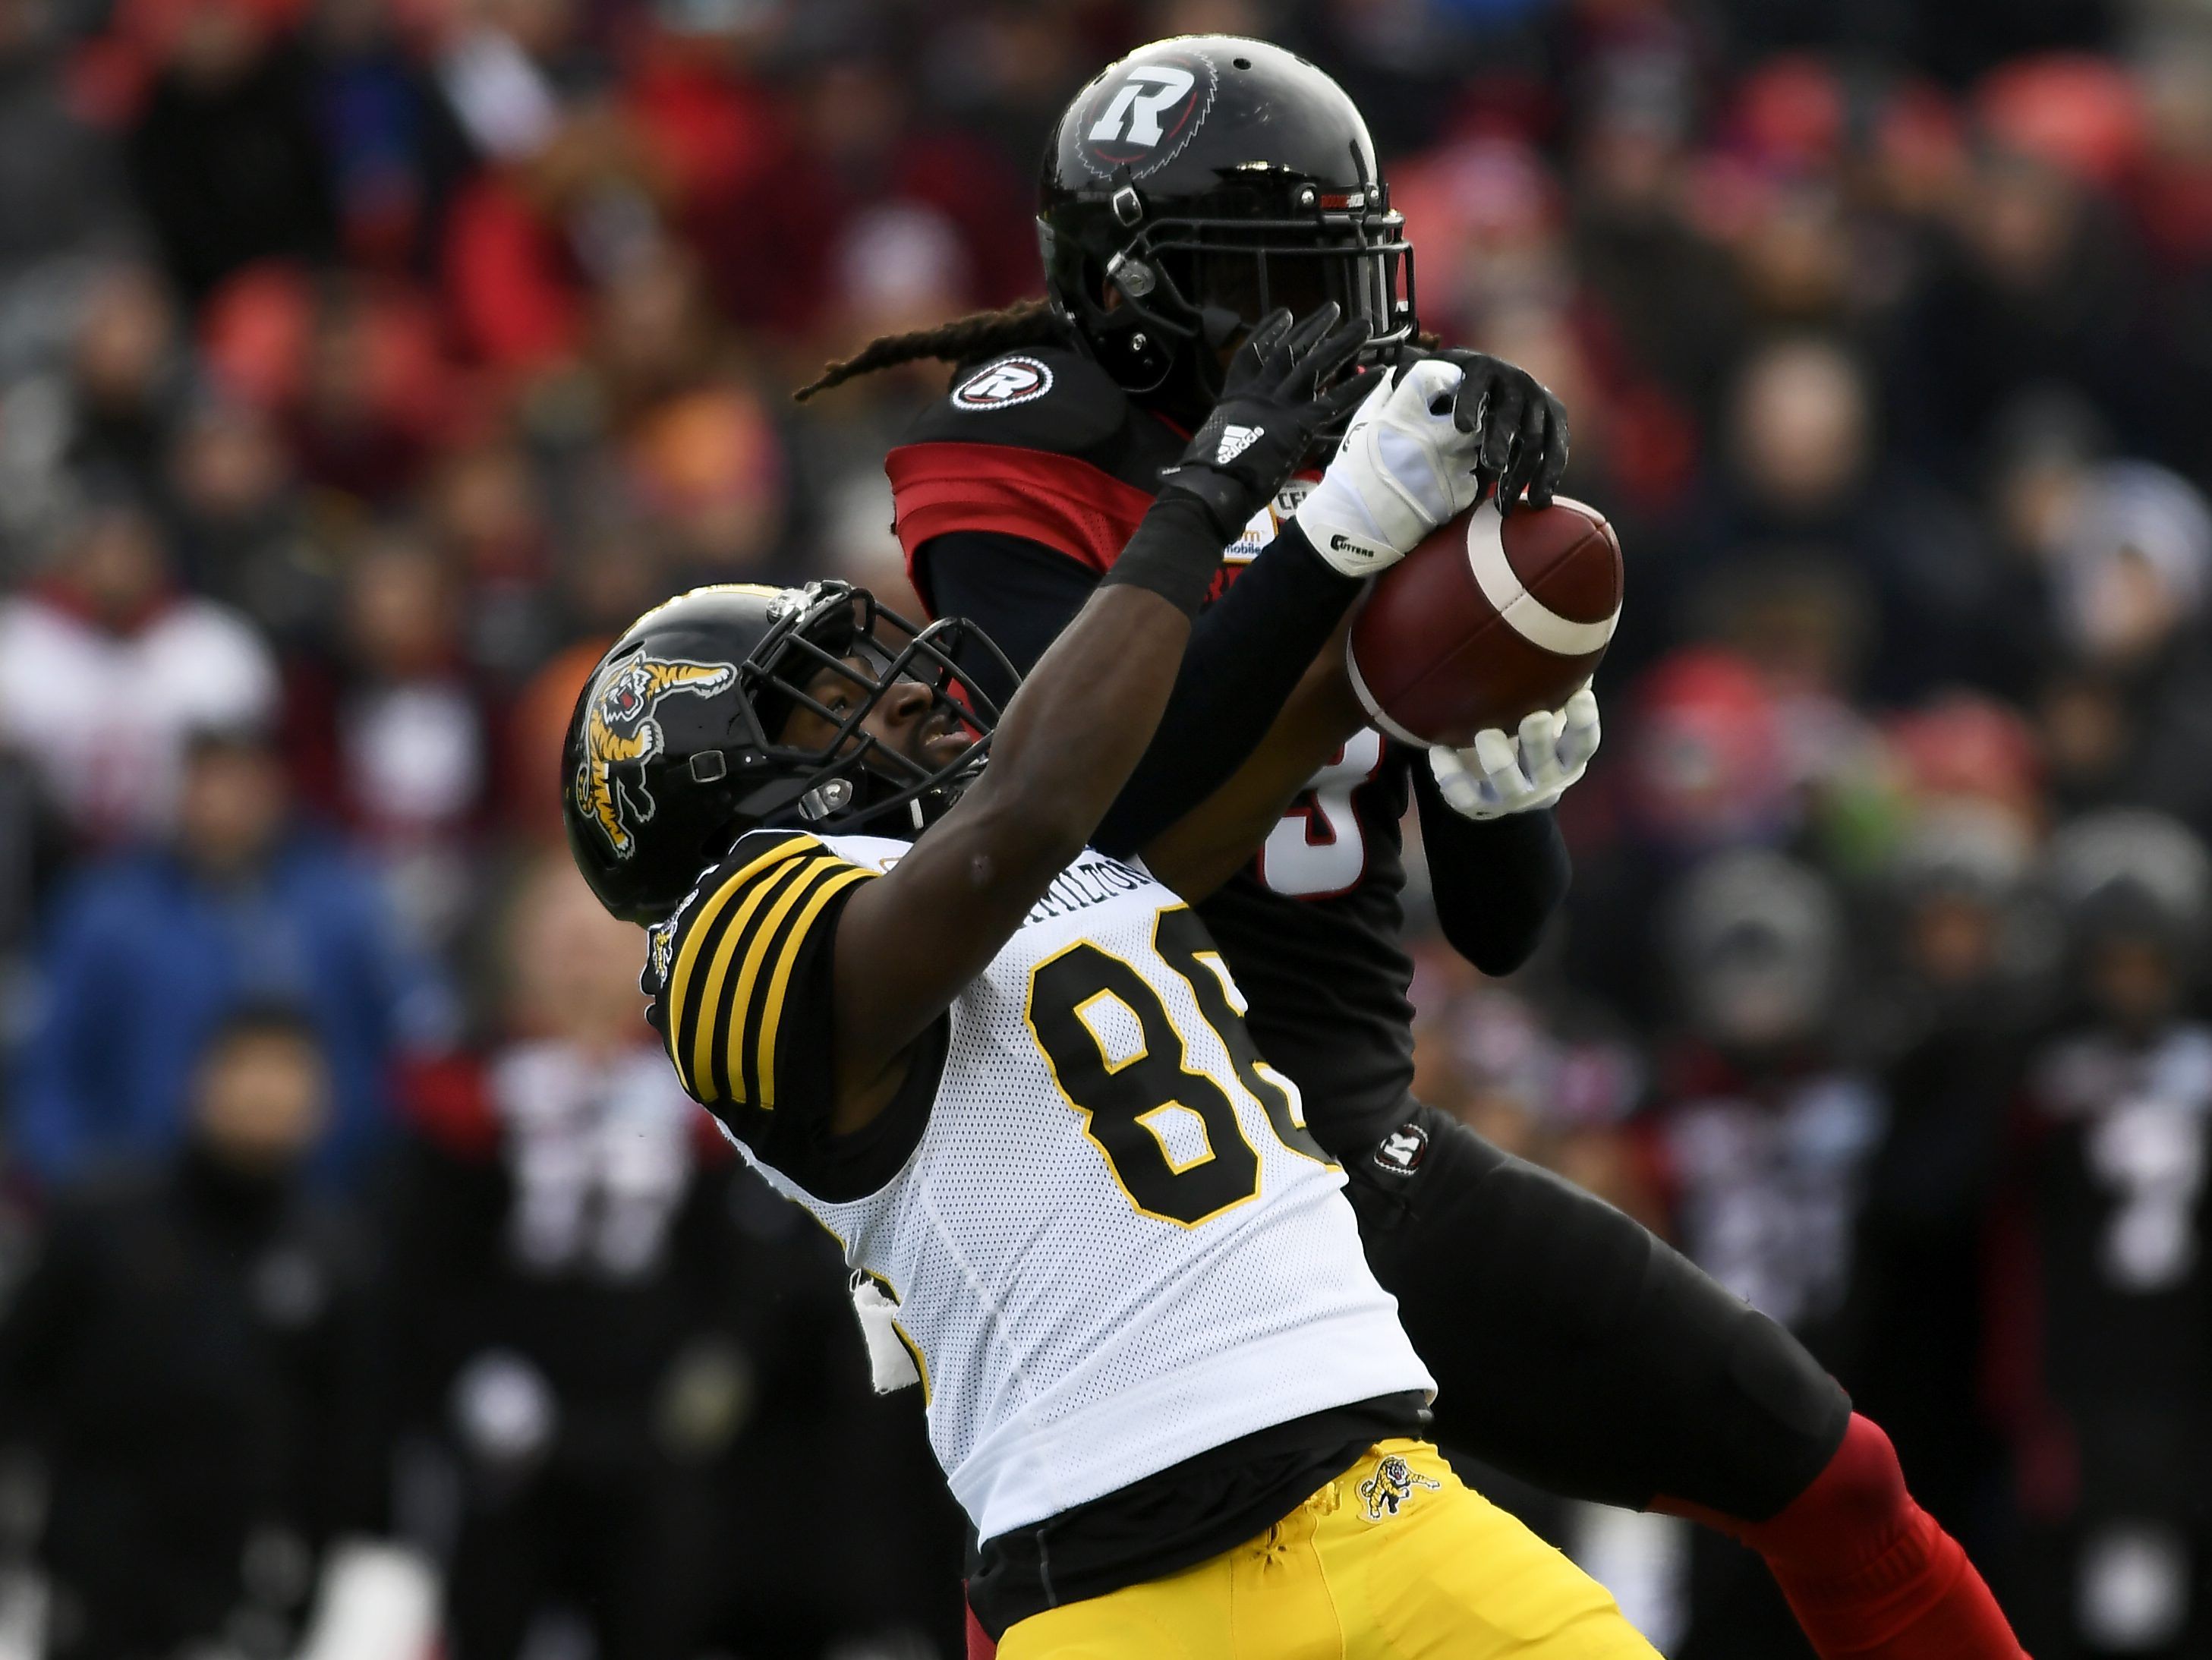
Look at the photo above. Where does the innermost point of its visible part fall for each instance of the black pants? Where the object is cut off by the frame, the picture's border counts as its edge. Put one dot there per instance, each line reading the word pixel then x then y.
pixel 1574 1350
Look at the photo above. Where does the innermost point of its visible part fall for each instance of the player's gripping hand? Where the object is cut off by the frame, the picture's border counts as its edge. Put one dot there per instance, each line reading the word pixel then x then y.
pixel 1501 774
pixel 1404 468
pixel 1269 414
pixel 1521 427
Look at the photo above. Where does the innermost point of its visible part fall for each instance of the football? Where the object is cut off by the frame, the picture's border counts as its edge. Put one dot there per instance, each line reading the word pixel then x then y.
pixel 1488 620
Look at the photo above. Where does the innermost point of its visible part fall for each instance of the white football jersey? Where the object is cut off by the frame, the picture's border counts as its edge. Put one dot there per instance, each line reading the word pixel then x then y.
pixel 1113 1244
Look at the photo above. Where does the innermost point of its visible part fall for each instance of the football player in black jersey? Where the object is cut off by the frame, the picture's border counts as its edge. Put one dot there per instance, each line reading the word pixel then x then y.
pixel 1187 188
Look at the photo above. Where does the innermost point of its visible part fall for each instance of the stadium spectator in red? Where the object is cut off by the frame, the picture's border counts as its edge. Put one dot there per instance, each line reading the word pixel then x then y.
pixel 393 737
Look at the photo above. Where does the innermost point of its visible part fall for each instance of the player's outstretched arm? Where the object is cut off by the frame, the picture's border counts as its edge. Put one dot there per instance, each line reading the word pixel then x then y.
pixel 1496 864
pixel 1290 599
pixel 1217 838
pixel 1494 882
pixel 906 944
pixel 1405 466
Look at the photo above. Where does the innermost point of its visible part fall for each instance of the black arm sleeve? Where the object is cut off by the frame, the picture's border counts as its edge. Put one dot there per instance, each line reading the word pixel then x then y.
pixel 1021 593
pixel 1497 881
pixel 1247 653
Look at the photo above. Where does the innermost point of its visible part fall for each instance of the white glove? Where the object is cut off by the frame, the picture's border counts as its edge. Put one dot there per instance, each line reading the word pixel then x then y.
pixel 1501 774
pixel 1402 471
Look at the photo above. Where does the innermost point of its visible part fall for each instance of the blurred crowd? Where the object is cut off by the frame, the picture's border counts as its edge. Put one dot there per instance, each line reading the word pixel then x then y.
pixel 365 365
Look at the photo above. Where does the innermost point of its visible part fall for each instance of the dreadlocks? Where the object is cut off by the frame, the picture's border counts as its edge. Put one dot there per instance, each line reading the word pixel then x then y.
pixel 965 339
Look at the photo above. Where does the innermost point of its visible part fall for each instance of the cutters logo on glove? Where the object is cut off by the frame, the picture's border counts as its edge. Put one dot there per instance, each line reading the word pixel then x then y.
pixel 1402 469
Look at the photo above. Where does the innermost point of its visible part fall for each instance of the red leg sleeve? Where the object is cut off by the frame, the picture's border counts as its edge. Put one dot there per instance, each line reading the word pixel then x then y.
pixel 979 1646
pixel 1868 1573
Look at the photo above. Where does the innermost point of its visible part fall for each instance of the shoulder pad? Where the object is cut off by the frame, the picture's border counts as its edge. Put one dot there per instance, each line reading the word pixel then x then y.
pixel 725 962
pixel 1044 397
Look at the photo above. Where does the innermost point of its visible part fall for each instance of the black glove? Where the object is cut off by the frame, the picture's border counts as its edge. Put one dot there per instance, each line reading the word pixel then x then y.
pixel 1269 416
pixel 1524 428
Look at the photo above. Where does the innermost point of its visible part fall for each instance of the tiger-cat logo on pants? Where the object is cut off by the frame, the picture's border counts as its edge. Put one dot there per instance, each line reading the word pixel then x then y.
pixel 619 731
pixel 1392 1485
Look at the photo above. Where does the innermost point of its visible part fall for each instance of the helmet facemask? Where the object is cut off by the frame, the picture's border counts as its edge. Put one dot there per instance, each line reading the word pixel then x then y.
pixel 854 780
pixel 1179 292
pixel 1230 273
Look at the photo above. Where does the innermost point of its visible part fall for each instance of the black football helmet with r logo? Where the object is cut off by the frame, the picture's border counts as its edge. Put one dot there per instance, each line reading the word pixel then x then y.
pixel 676 747
pixel 1198 184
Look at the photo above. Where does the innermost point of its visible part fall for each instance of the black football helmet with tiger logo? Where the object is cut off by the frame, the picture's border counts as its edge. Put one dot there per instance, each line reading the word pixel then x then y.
pixel 1199 183
pixel 674 749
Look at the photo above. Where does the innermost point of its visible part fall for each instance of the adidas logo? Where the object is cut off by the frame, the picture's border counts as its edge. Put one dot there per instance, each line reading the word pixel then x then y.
pixel 1235 440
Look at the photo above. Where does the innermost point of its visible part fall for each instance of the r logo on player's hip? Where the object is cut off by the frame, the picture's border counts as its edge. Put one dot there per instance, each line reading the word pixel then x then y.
pixel 1400 1152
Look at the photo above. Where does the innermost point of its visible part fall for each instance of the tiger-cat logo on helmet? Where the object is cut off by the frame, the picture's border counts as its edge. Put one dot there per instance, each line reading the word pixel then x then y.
pixel 619 729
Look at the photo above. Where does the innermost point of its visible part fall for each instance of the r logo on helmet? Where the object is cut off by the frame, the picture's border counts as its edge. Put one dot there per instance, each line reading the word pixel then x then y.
pixel 619 729
pixel 1142 116
pixel 1002 385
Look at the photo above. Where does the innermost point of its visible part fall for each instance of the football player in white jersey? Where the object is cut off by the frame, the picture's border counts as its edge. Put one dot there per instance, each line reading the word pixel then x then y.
pixel 1011 1076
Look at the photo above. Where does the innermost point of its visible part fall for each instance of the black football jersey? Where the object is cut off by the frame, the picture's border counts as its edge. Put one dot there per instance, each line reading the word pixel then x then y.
pixel 1042 447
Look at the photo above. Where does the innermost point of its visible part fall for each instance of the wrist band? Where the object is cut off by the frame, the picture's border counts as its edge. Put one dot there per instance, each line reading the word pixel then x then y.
pixel 1174 553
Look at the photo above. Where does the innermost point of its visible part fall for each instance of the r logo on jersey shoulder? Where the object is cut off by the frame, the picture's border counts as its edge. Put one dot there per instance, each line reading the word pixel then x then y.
pixel 1002 385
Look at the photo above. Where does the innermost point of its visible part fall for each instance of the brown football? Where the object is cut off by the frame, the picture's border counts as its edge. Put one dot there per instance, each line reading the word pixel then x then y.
pixel 1488 620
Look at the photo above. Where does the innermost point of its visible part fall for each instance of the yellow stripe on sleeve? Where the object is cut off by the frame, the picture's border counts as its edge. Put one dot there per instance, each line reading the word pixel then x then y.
pixel 789 878
pixel 772 1010
pixel 672 999
pixel 749 976
pixel 696 931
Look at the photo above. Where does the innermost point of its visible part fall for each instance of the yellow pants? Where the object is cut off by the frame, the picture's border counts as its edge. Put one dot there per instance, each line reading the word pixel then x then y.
pixel 1395 1557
